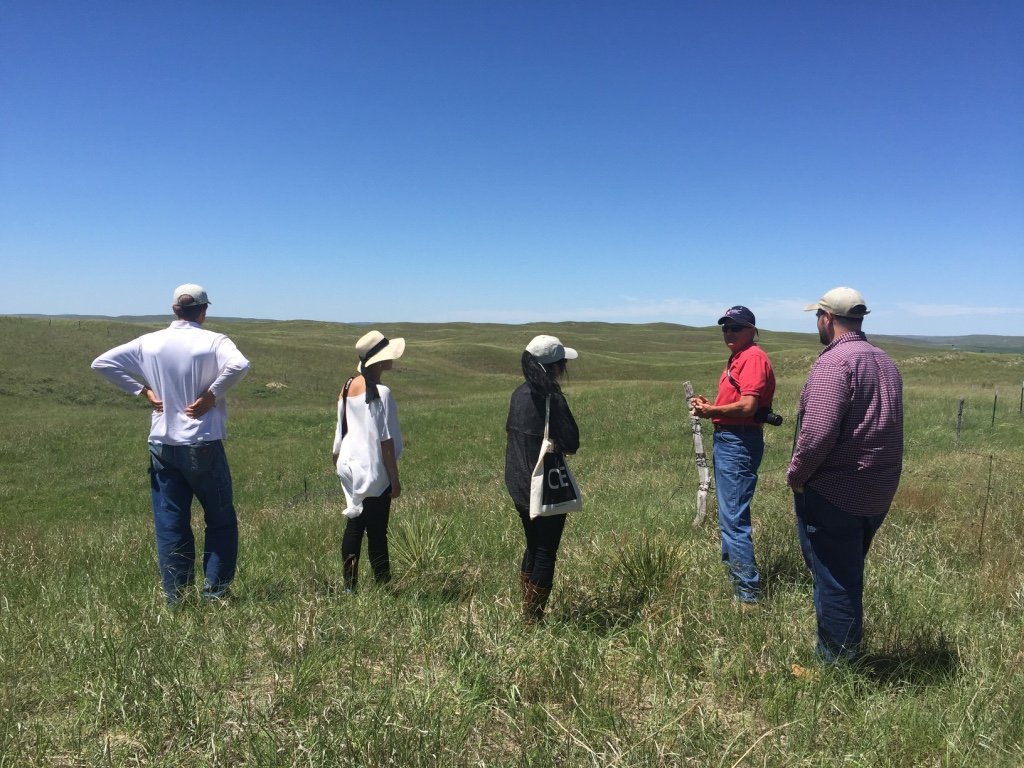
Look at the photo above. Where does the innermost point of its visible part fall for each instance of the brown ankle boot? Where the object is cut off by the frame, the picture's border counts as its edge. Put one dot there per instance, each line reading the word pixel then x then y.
pixel 534 601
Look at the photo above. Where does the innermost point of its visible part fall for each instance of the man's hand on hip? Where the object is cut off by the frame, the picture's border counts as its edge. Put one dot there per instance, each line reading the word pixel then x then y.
pixel 156 402
pixel 202 405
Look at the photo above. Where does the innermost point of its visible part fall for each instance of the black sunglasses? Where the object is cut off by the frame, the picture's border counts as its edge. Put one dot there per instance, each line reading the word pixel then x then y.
pixel 734 328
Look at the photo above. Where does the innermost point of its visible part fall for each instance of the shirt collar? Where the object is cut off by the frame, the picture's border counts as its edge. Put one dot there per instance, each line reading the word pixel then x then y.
pixel 848 336
pixel 739 352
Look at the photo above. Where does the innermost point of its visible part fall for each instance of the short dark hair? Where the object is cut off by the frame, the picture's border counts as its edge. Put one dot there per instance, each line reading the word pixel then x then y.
pixel 190 312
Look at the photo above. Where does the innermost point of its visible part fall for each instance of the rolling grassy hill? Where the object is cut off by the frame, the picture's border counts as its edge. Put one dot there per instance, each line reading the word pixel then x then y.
pixel 644 660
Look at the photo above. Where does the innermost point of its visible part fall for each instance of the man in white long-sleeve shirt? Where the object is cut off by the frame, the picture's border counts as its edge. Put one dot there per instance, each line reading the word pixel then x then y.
pixel 184 372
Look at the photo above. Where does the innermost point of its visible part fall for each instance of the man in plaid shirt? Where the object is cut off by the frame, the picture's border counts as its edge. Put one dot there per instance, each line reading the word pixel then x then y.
pixel 846 466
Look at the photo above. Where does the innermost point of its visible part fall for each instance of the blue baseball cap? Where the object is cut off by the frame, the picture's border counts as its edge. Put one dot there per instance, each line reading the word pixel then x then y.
pixel 739 315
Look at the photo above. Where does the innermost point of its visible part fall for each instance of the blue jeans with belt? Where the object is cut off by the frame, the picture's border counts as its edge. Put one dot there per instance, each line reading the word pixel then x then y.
pixel 834 545
pixel 738 455
pixel 179 473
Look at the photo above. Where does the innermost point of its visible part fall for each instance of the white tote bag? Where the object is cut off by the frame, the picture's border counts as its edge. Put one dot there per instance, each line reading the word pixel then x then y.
pixel 553 489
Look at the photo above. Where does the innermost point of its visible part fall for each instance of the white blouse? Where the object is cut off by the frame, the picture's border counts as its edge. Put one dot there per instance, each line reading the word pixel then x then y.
pixel 360 459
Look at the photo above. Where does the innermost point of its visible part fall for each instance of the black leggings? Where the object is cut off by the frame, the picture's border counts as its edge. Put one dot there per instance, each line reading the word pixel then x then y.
pixel 374 521
pixel 543 535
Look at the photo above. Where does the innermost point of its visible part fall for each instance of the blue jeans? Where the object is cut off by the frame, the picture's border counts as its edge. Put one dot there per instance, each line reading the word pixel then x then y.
pixel 177 473
pixel 834 544
pixel 737 458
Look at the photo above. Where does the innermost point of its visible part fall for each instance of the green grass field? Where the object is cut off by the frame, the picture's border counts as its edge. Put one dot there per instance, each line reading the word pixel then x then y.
pixel 644 660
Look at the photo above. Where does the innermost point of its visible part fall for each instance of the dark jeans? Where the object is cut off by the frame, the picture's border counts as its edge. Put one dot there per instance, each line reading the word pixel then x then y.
pixel 835 544
pixel 177 474
pixel 543 535
pixel 374 522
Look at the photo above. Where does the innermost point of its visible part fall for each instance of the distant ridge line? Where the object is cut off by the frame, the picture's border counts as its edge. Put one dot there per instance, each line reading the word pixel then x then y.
pixel 965 343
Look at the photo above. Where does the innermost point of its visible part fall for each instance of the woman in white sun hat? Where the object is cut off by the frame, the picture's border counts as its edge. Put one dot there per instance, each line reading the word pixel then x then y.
pixel 543 364
pixel 367 445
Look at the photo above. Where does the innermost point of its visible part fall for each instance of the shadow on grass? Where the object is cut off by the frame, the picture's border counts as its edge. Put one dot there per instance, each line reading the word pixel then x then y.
pixel 600 614
pixel 782 569
pixel 922 657
pixel 278 589
pixel 436 585
pixel 419 583
pixel 639 570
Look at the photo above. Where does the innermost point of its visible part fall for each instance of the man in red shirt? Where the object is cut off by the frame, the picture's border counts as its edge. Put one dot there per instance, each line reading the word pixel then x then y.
pixel 747 384
pixel 846 465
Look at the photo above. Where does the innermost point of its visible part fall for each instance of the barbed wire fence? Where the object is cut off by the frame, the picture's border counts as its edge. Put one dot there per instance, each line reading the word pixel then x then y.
pixel 981 482
pixel 310 492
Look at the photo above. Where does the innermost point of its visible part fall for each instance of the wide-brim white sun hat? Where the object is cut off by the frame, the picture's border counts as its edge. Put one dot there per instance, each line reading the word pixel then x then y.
pixel 375 347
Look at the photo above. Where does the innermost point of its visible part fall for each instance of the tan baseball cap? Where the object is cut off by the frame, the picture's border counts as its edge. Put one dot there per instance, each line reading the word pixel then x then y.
pixel 843 302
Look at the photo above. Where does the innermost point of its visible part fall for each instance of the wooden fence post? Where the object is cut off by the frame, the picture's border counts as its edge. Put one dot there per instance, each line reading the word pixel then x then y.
pixel 959 421
pixel 995 399
pixel 703 476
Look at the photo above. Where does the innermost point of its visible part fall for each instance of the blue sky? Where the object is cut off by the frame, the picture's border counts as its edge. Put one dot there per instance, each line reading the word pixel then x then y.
pixel 472 160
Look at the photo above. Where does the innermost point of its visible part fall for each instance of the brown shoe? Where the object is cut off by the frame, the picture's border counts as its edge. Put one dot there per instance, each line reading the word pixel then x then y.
pixel 534 601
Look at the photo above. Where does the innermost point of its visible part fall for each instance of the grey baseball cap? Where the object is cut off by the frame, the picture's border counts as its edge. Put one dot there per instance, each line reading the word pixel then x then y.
pixel 548 349
pixel 192 294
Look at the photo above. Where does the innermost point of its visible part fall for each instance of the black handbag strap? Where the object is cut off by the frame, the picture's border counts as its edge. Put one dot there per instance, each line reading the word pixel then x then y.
pixel 344 406
pixel 547 418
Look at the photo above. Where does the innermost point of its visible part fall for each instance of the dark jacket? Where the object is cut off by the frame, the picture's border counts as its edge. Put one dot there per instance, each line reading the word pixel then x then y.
pixel 525 429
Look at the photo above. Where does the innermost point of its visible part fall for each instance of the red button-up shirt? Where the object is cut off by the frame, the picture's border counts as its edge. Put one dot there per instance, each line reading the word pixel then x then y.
pixel 748 372
pixel 849 445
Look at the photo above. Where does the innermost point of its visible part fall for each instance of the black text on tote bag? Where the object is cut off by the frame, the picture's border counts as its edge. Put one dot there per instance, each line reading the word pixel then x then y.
pixel 553 489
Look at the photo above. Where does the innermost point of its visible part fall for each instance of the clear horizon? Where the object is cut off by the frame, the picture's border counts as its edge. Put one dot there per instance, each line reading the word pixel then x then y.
pixel 368 323
pixel 517 162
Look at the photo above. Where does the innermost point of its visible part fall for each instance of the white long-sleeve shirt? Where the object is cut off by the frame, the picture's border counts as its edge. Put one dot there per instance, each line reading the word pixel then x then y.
pixel 179 364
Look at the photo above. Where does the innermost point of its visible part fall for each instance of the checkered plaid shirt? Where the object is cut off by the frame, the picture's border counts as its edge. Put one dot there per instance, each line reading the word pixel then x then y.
pixel 849 444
